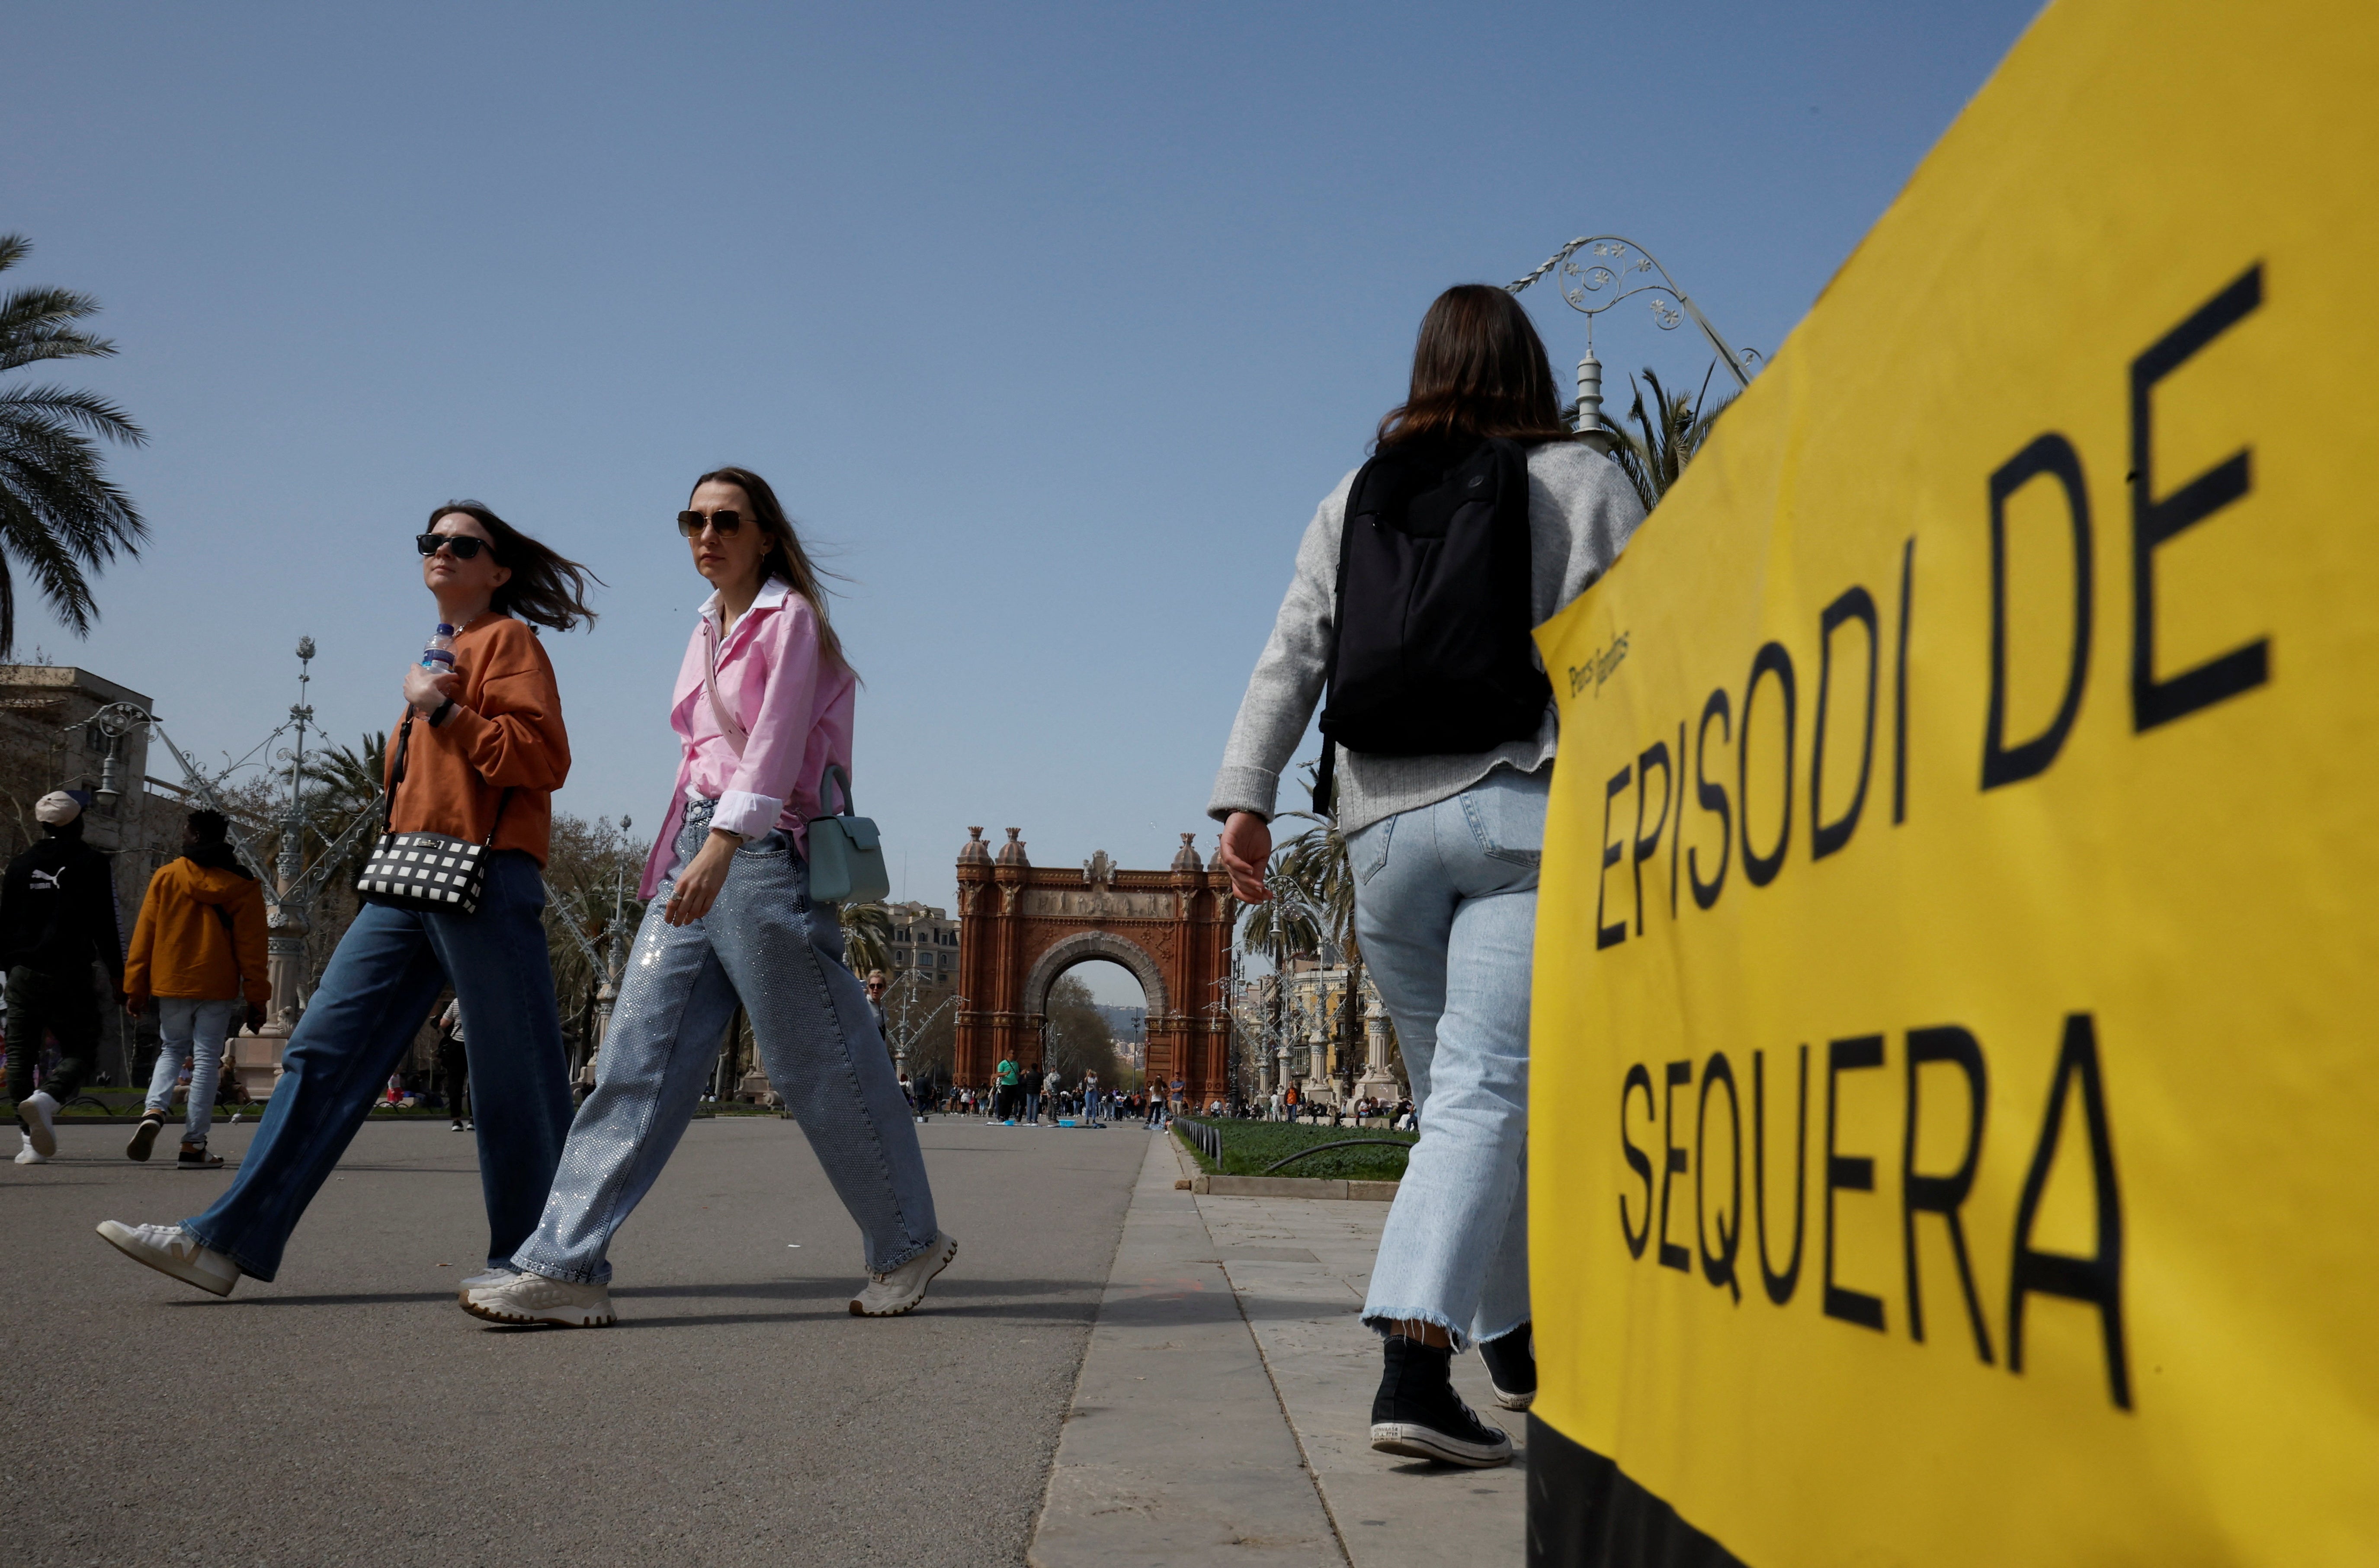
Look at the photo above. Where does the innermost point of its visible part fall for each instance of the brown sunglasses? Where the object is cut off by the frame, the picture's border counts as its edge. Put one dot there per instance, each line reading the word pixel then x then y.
pixel 726 520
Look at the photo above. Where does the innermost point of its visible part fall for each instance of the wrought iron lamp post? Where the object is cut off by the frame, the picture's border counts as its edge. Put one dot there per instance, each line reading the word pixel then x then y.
pixel 289 894
pixel 1582 284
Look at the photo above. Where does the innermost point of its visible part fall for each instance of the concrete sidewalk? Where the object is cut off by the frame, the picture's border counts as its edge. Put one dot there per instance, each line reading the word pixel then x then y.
pixel 1224 1409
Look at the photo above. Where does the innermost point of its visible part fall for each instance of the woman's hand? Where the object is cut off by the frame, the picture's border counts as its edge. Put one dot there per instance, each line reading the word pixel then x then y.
pixel 697 886
pixel 425 692
pixel 1247 849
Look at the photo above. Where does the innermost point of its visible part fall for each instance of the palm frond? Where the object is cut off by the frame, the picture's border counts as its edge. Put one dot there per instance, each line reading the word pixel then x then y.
pixel 67 407
pixel 867 937
pixel 60 517
pixel 38 323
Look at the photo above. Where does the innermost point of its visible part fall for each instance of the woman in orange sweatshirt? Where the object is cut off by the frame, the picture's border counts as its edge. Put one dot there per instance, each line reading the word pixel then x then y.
pixel 484 751
pixel 197 950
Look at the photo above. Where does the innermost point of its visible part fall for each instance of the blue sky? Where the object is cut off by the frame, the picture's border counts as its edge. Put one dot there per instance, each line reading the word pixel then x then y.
pixel 1051 323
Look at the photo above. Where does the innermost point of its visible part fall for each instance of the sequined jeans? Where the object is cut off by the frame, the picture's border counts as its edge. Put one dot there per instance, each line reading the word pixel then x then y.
pixel 764 944
pixel 1445 906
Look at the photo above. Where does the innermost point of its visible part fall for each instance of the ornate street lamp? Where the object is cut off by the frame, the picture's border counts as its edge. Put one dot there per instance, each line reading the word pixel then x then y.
pixel 1582 284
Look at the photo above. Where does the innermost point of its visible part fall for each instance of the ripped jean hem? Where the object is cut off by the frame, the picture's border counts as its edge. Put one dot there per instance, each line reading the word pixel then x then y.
pixel 1383 1324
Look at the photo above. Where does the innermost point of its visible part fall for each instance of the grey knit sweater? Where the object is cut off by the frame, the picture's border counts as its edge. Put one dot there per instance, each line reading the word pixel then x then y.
pixel 1581 511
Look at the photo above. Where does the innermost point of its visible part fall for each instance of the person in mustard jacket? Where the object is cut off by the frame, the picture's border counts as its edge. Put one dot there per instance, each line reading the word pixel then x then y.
pixel 198 950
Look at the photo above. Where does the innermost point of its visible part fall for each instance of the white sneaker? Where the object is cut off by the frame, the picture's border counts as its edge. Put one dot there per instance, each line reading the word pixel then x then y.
pixel 888 1295
pixel 35 1111
pixel 533 1299
pixel 487 1280
pixel 29 1155
pixel 170 1249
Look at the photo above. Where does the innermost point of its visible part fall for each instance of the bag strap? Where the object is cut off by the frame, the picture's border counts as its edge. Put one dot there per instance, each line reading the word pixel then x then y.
pixel 1326 777
pixel 396 776
pixel 835 775
pixel 737 736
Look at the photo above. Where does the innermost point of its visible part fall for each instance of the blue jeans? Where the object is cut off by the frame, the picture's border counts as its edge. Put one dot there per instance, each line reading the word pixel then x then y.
pixel 192 1029
pixel 1031 1106
pixel 1445 910
pixel 370 1003
pixel 766 946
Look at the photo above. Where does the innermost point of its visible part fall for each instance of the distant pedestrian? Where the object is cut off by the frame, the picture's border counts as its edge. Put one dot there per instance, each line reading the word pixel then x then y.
pixel 57 917
pixel 877 986
pixel 454 1066
pixel 1436 772
pixel 1009 1075
pixel 198 948
pixel 1033 1078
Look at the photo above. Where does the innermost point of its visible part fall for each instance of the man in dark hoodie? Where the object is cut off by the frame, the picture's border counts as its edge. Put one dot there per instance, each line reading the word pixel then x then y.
pixel 199 950
pixel 57 914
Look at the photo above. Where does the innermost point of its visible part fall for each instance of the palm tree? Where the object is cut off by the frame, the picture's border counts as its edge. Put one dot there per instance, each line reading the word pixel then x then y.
pixel 867 937
pixel 1673 429
pixel 59 514
pixel 1315 862
pixel 345 781
pixel 1280 928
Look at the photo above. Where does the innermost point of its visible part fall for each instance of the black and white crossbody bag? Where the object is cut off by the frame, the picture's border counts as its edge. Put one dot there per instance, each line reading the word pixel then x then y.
pixel 433 872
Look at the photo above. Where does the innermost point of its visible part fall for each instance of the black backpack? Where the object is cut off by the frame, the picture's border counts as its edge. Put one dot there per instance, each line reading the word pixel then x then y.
pixel 1430 653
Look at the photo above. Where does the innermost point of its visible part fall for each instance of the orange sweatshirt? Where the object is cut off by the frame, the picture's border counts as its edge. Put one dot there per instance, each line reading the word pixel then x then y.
pixel 505 733
pixel 181 946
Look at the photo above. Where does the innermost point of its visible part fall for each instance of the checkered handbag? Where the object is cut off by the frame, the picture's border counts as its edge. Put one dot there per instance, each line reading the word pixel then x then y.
pixel 434 873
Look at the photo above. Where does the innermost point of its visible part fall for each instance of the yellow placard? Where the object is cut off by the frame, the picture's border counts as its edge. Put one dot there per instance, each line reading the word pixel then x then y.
pixel 1956 1103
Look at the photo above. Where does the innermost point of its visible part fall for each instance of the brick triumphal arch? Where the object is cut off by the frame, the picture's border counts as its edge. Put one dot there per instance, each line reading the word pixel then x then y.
pixel 1020 926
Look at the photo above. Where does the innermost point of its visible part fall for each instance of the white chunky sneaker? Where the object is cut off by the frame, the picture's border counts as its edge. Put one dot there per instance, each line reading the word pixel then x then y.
pixel 35 1111
pixel 533 1299
pixel 488 1278
pixel 888 1295
pixel 170 1249
pixel 29 1155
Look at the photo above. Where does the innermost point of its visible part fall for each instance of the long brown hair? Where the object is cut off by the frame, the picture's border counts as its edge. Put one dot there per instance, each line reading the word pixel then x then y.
pixel 546 588
pixel 786 559
pixel 1479 369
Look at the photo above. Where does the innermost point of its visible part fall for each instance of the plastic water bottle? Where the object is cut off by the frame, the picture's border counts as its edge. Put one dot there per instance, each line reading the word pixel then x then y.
pixel 438 656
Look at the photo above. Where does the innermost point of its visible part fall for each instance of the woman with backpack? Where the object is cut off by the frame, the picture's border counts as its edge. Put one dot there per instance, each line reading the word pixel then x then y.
pixel 1479 517
pixel 761 710
pixel 477 758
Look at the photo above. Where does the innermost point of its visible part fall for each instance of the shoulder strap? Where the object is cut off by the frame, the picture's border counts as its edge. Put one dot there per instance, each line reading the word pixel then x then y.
pixel 396 776
pixel 1326 777
pixel 737 736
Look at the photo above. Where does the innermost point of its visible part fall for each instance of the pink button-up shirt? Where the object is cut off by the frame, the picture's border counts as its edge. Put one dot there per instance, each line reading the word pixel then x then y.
pixel 796 706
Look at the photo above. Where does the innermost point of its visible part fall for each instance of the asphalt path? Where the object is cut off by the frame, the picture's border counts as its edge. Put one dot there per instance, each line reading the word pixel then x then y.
pixel 350 1412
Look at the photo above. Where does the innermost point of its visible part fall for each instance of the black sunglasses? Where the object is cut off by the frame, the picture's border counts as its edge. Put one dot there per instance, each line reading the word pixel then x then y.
pixel 465 546
pixel 726 521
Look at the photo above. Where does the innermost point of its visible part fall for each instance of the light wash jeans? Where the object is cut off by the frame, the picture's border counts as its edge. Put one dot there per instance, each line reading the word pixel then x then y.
pixel 380 984
pixel 191 1027
pixel 1445 909
pixel 766 945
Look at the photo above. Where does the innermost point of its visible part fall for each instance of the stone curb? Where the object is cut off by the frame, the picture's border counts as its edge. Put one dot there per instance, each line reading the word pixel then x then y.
pixel 1290 1187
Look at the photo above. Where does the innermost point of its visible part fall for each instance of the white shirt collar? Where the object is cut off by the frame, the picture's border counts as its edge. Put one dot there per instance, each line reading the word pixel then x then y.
pixel 772 595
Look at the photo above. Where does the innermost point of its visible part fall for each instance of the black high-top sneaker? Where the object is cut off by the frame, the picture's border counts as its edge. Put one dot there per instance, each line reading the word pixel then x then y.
pixel 1417 1414
pixel 1512 1367
pixel 144 1136
pixel 195 1158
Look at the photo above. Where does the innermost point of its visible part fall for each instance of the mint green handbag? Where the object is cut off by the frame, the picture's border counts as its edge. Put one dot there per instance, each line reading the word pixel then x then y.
pixel 846 851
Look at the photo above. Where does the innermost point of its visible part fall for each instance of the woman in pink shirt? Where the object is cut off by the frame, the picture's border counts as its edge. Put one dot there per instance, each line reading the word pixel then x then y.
pixel 761 710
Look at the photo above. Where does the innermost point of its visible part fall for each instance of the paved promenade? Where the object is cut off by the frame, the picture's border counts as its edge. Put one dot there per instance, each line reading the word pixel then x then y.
pixel 1224 1409
pixel 349 1413
pixel 1112 1371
